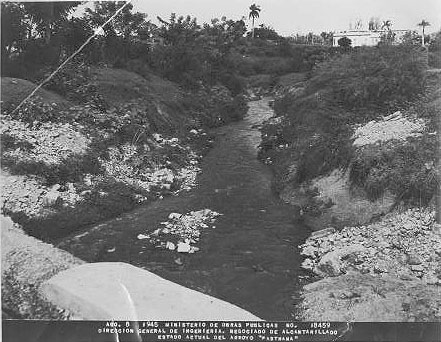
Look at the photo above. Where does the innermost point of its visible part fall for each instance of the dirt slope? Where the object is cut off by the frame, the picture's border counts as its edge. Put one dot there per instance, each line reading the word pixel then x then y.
pixel 14 90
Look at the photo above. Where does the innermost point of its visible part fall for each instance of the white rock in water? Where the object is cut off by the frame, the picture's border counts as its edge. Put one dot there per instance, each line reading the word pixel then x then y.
pixel 309 250
pixel 183 247
pixel 193 131
pixel 170 245
pixel 142 236
pixel 322 233
pixel 307 264
pixel 157 137
pixel 56 187
pixel 156 232
pixel 51 198
pixel 174 216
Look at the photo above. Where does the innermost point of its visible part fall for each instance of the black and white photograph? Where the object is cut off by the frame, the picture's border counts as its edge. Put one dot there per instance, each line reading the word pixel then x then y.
pixel 237 170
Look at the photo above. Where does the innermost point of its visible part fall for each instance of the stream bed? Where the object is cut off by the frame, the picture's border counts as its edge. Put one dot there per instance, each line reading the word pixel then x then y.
pixel 249 259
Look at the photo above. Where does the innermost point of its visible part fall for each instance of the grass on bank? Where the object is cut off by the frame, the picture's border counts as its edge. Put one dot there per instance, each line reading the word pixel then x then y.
pixel 315 132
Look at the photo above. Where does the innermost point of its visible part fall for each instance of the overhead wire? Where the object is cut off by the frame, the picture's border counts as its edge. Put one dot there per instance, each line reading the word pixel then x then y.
pixel 47 79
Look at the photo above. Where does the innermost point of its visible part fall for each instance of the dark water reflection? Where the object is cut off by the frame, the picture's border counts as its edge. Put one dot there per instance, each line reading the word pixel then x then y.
pixel 250 259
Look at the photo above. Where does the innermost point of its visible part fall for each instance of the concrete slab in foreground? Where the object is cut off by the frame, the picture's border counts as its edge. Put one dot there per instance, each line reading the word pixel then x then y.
pixel 119 291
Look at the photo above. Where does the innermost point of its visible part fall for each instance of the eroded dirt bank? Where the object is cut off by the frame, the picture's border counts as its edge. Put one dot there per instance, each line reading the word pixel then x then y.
pixel 374 254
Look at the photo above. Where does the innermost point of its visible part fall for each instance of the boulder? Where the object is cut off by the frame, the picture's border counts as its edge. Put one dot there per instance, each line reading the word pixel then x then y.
pixel 183 247
pixel 322 233
pixel 331 264
pixel 309 251
pixel 378 298
pixel 52 198
pixel 308 264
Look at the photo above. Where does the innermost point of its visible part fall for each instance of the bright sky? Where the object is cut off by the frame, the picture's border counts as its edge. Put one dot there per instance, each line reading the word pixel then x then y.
pixel 288 17
pixel 292 16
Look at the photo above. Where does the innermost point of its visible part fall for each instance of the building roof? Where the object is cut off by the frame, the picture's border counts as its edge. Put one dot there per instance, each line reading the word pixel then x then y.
pixel 358 33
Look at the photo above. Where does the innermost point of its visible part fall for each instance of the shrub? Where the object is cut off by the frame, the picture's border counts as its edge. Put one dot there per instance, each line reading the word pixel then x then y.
pixel 71 170
pixel 353 88
pixel 214 106
pixel 109 199
pixel 311 56
pixel 435 59
pixel 406 169
pixel 235 84
pixel 76 84
pixel 34 109
pixel 370 77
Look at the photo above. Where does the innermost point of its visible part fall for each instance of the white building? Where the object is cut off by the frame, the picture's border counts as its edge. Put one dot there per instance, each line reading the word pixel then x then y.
pixel 367 38
pixel 359 38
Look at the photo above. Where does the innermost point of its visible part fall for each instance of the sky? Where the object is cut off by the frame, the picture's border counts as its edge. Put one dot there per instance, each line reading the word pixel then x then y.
pixel 288 17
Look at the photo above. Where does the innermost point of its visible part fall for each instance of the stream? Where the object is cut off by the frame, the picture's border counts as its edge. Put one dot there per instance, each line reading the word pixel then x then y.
pixel 250 259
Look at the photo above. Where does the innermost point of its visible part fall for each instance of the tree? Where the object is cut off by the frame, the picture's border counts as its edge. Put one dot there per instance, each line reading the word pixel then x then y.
pixel 344 42
pixel 13 28
pixel 374 24
pixel 254 13
pixel 327 38
pixel 358 25
pixel 435 42
pixel 120 33
pixel 179 30
pixel 387 24
pixel 45 15
pixel 74 33
pixel 389 36
pixel 410 38
pixel 423 24
pixel 126 24
pixel 266 33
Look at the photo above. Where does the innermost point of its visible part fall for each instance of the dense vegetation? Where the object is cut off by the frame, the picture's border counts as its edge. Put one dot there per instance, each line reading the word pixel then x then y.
pixel 197 76
pixel 363 84
pixel 131 81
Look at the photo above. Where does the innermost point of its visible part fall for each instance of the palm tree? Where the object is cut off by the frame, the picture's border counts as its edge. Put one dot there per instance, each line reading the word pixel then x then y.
pixel 45 14
pixel 254 13
pixel 386 25
pixel 389 36
pixel 423 24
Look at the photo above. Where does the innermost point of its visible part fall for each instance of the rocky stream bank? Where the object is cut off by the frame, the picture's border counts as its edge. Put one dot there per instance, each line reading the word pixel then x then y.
pixel 66 165
pixel 369 257
pixel 387 271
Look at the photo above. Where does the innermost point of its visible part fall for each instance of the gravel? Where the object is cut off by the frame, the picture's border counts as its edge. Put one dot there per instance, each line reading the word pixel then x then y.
pixel 394 126
pixel 50 143
pixel 404 245
pixel 182 231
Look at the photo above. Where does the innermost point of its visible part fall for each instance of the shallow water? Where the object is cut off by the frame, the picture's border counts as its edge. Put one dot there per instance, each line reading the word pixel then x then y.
pixel 251 257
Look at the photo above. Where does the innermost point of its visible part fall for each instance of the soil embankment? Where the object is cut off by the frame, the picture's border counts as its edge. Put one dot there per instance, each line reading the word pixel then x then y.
pixel 26 264
pixel 106 142
pixel 385 271
pixel 376 245
pixel 69 164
